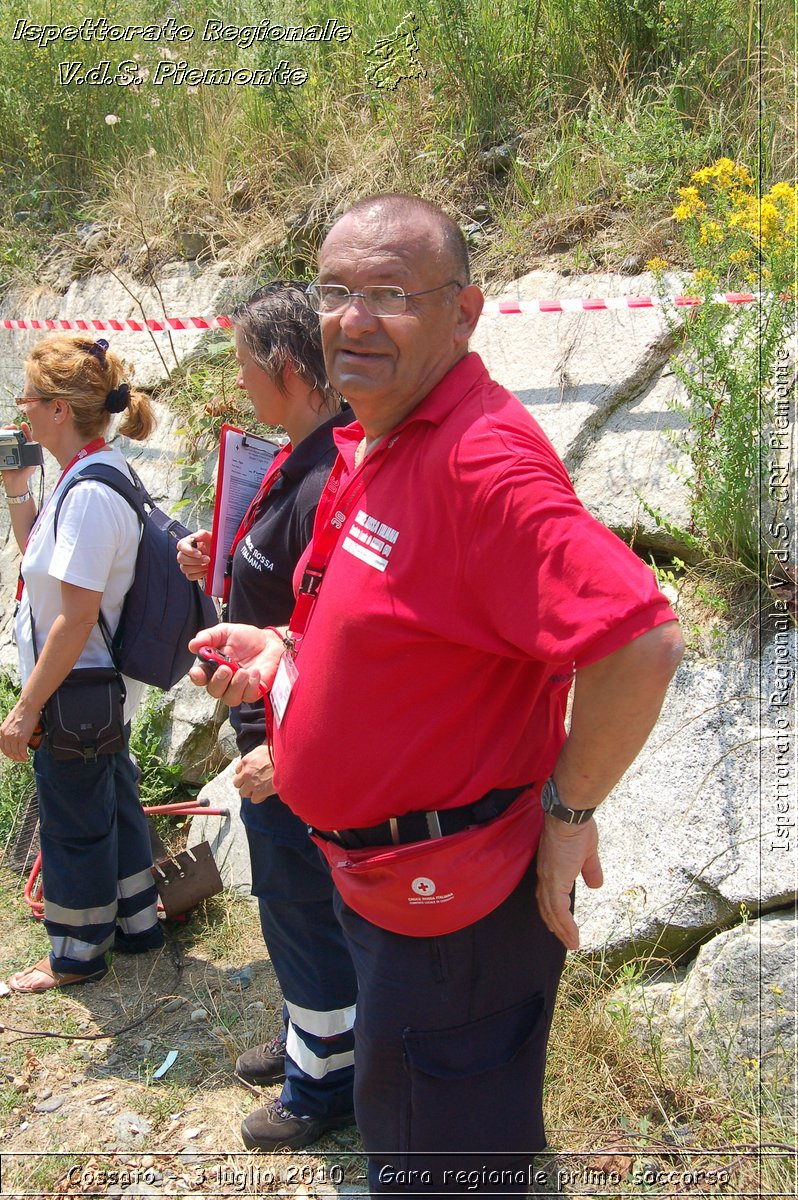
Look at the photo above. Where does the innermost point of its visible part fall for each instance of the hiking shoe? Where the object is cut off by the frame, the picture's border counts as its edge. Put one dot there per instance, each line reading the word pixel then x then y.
pixel 275 1128
pixel 263 1064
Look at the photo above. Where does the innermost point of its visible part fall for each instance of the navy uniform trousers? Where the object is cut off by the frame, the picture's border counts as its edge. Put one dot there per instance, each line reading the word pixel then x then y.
pixel 96 860
pixel 450 1044
pixel 310 959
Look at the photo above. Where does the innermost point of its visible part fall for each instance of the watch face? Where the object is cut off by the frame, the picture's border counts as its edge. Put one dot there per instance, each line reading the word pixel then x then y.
pixel 547 796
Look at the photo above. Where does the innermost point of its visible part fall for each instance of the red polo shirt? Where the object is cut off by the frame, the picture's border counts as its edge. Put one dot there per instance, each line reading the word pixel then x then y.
pixel 467 585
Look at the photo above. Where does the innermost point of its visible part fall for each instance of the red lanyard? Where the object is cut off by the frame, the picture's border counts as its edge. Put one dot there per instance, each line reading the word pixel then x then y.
pixel 93 447
pixel 248 519
pixel 90 448
pixel 331 517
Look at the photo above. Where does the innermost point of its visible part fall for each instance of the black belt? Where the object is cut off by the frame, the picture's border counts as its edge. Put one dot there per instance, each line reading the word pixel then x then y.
pixel 422 826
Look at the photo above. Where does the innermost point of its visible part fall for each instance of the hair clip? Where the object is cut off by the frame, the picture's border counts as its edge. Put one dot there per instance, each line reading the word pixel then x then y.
pixel 98 350
pixel 118 399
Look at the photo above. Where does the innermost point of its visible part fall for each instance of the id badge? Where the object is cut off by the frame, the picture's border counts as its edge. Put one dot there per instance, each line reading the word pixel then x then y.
pixel 284 680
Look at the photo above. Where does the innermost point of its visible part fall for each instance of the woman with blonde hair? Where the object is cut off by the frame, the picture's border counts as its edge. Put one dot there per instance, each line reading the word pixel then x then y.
pixel 96 857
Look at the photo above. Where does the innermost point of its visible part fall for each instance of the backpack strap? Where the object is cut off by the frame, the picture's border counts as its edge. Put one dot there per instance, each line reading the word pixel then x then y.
pixel 132 490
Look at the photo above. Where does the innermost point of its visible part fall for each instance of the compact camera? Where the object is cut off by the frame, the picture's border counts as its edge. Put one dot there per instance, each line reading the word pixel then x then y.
pixel 16 451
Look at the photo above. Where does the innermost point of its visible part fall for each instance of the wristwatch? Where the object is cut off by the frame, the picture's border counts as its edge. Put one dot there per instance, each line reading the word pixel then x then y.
pixel 550 803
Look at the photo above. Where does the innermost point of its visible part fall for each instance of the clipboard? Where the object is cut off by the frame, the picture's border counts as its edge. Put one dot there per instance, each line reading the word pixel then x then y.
pixel 244 459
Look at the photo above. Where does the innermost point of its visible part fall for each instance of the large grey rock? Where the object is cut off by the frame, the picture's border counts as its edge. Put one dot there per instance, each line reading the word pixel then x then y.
pixel 730 1016
pixel 684 842
pixel 636 466
pixel 40 303
pixel 572 370
pixel 191 734
pixel 688 835
pixel 227 836
pixel 596 383
pixel 183 289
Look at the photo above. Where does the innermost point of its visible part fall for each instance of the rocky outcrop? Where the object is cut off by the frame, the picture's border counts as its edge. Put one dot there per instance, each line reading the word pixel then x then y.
pixel 182 289
pixel 600 386
pixel 731 1015
pixel 227 836
pixel 191 721
pixel 697 833
pixel 687 836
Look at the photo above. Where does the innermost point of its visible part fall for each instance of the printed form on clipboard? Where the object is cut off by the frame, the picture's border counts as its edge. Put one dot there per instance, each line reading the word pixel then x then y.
pixel 244 459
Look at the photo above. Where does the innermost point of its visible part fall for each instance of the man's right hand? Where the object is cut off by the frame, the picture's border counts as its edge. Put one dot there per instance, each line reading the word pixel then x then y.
pixel 257 653
pixel 565 851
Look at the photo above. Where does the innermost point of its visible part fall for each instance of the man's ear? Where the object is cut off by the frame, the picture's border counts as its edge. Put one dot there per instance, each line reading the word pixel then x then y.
pixel 470 303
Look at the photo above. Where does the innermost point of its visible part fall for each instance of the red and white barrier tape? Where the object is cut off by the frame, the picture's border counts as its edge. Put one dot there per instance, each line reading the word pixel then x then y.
pixel 128 325
pixel 577 304
pixel 492 308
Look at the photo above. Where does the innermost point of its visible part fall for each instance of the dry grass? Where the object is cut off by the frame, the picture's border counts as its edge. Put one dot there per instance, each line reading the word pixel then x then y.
pixel 194 1111
pixel 612 1109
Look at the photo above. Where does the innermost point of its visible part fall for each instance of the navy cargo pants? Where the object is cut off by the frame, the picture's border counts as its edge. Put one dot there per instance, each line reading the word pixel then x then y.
pixel 96 860
pixel 450 1044
pixel 310 959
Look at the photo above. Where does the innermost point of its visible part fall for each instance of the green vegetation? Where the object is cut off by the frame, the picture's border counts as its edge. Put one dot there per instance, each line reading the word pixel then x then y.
pixel 741 237
pixel 543 126
pixel 16 779
pixel 623 1107
pixel 613 1105
pixel 161 782
pixel 512 114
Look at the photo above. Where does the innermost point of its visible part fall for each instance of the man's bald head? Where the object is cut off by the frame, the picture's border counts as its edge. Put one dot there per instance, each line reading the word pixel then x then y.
pixel 402 208
pixel 386 363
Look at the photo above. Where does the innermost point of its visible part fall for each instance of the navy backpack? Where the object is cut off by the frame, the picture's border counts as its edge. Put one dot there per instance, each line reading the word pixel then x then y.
pixel 162 610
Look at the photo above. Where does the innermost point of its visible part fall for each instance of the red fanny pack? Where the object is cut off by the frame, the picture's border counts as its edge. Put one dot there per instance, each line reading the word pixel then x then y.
pixel 425 889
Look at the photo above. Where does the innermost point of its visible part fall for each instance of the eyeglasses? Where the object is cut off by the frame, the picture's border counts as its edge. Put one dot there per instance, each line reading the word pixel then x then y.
pixel 382 300
pixel 24 401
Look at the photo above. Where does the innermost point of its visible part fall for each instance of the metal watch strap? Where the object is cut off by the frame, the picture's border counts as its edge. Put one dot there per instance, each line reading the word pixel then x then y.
pixel 551 804
pixel 23 499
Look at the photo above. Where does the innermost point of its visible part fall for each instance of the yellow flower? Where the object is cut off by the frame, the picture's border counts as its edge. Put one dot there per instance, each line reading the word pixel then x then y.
pixel 782 191
pixel 691 203
pixel 656 265
pixel 768 220
pixel 702 275
pixel 757 278
pixel 738 257
pixel 710 232
pixel 723 175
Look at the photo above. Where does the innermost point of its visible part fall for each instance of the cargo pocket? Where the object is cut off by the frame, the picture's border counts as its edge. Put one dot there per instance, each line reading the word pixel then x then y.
pixel 478 1087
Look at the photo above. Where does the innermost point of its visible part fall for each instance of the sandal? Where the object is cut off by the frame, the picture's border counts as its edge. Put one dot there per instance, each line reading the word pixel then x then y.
pixel 52 978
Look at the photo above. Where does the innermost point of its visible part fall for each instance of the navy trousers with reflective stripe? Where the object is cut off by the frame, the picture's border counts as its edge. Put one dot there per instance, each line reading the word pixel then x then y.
pixel 96 858
pixel 450 1042
pixel 313 967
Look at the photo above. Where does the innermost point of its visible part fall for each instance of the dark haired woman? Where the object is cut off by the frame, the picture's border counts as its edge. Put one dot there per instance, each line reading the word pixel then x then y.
pixel 281 368
pixel 96 857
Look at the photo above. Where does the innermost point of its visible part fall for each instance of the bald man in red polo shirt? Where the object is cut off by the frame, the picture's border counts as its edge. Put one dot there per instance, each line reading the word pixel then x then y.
pixel 454 592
